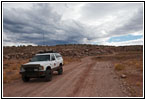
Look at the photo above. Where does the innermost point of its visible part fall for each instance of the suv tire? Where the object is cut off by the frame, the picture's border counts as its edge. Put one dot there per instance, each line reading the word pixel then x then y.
pixel 60 71
pixel 25 78
pixel 48 76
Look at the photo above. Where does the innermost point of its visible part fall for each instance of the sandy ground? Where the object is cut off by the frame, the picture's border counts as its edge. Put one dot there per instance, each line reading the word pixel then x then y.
pixel 80 79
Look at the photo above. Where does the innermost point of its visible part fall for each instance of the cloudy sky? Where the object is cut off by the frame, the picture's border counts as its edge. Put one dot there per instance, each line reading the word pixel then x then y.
pixel 72 23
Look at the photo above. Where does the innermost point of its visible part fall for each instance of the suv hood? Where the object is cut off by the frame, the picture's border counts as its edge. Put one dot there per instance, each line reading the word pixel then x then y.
pixel 42 63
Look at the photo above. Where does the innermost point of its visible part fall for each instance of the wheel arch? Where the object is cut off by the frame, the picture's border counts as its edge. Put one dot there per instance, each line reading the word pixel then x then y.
pixel 60 64
pixel 48 67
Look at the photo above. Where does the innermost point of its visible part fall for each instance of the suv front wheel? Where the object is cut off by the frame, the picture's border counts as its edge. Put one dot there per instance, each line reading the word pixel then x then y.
pixel 48 76
pixel 60 70
pixel 25 78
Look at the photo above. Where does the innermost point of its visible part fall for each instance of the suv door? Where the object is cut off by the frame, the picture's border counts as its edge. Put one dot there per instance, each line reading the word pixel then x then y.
pixel 57 59
pixel 53 60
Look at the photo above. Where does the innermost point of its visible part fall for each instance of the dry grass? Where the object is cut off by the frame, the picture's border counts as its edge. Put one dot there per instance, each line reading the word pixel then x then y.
pixel 119 67
pixel 129 64
pixel 133 69
pixel 68 60
pixel 11 69
pixel 138 64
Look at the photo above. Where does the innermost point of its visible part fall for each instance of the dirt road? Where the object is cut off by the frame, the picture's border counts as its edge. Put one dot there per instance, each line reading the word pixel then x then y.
pixel 87 78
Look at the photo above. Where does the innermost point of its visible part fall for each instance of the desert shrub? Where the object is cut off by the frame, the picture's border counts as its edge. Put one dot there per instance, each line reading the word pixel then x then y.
pixel 9 77
pixel 11 71
pixel 15 76
pixel 14 68
pixel 119 67
pixel 138 83
pixel 5 78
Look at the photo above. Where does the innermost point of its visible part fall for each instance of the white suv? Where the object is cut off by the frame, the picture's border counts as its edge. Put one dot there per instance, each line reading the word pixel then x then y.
pixel 42 65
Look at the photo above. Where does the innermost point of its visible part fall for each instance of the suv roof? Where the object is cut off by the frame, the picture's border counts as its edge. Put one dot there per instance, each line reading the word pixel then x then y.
pixel 43 53
pixel 46 52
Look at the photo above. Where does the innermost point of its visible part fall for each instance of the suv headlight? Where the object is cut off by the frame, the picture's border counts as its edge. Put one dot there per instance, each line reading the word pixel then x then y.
pixel 41 68
pixel 22 69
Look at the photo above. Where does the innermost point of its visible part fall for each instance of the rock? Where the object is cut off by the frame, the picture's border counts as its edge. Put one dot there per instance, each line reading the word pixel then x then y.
pixel 115 77
pixel 33 53
pixel 6 57
pixel 86 50
pixel 123 76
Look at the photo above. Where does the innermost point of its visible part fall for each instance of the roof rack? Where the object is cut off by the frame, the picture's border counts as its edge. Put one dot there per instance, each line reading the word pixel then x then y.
pixel 50 51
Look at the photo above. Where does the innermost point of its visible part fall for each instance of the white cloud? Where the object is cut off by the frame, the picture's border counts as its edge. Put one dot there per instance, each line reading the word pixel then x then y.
pixel 130 42
pixel 17 44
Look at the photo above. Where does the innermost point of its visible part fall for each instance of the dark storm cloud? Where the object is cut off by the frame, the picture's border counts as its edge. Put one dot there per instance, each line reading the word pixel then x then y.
pixel 28 21
pixel 40 19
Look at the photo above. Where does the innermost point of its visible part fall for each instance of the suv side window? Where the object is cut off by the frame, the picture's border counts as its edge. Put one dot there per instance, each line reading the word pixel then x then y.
pixel 52 57
pixel 57 55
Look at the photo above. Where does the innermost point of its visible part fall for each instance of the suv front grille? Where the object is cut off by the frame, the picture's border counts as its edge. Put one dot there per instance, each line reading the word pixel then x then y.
pixel 30 67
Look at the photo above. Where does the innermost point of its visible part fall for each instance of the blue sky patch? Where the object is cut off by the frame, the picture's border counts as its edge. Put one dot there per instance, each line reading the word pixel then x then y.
pixel 124 38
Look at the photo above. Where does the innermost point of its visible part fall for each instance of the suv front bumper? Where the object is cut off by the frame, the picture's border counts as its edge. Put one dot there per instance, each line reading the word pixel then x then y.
pixel 33 74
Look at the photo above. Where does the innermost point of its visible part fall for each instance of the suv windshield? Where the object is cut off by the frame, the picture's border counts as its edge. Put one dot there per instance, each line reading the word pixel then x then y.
pixel 40 58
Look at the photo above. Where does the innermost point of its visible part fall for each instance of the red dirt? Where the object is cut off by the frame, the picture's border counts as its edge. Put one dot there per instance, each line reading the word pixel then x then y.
pixel 80 79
